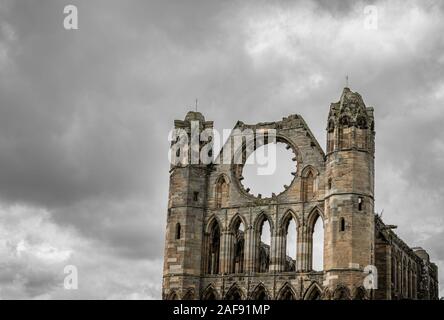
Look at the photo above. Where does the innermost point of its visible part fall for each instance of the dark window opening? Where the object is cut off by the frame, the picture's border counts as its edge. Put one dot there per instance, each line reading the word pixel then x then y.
pixel 177 231
pixel 329 184
pixel 222 192
pixel 308 187
pixel 342 224
pixel 213 249
pixel 195 196
pixel 360 203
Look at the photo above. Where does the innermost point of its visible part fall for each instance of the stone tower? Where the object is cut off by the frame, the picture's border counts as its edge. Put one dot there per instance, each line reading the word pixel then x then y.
pixel 187 197
pixel 349 197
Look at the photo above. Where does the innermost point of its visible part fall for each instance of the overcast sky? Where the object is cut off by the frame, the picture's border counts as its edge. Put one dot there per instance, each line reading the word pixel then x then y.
pixel 85 114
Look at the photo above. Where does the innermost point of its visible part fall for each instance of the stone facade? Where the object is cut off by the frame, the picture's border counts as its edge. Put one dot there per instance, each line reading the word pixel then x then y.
pixel 208 256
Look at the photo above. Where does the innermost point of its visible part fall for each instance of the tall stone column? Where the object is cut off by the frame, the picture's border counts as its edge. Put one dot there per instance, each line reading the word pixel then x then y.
pixel 273 252
pixel 302 249
pixel 249 253
pixel 277 253
pixel 226 251
pixel 309 253
pixel 281 252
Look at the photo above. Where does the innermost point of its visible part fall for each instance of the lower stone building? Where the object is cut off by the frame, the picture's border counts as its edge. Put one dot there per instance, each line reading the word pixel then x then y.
pixel 213 246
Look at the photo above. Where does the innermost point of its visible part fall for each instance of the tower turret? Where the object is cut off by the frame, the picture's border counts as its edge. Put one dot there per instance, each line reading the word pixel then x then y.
pixel 349 200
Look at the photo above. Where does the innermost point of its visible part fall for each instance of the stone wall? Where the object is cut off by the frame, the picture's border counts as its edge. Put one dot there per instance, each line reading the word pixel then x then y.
pixel 208 205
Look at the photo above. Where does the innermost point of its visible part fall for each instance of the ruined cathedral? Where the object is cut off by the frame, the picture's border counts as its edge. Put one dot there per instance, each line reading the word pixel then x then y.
pixel 213 247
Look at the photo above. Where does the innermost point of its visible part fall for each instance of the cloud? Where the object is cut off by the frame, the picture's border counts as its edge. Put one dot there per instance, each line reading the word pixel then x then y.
pixel 34 252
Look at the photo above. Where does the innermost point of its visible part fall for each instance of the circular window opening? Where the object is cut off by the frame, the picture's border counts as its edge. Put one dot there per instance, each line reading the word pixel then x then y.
pixel 269 169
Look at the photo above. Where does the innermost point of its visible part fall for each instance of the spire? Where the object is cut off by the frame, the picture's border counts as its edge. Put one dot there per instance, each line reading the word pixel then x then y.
pixel 351 100
pixel 195 115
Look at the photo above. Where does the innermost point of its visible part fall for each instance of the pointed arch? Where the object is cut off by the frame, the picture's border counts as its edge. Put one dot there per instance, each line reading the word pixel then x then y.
pixel 262 251
pixel 309 169
pixel 189 295
pixel 173 295
pixel 261 218
pixel 235 221
pixel 309 185
pixel 286 292
pixel 210 293
pixel 313 292
pixel 313 216
pixel 222 189
pixel 341 293
pixel 211 221
pixel 223 178
pixel 288 215
pixel 260 293
pixel 234 293
pixel 360 294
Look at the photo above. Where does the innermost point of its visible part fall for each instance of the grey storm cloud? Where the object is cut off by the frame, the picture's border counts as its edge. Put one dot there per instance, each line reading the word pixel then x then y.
pixel 85 116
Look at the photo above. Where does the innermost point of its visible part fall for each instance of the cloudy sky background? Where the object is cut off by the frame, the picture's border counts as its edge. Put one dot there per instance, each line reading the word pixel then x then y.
pixel 85 115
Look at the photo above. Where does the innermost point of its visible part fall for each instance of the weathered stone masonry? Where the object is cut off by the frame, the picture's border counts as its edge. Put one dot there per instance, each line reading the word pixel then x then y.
pixel 208 256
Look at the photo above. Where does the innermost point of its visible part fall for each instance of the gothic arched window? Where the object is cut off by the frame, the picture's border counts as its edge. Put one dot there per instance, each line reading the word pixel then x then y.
pixel 315 230
pixel 238 229
pixel 263 246
pixel 234 293
pixel 286 293
pixel 260 293
pixel 213 248
pixel 308 185
pixel 330 136
pixel 222 189
pixel 344 132
pixel 289 232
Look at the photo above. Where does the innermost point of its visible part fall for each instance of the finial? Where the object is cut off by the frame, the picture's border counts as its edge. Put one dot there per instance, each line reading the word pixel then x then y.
pixel 346 81
pixel 196 104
